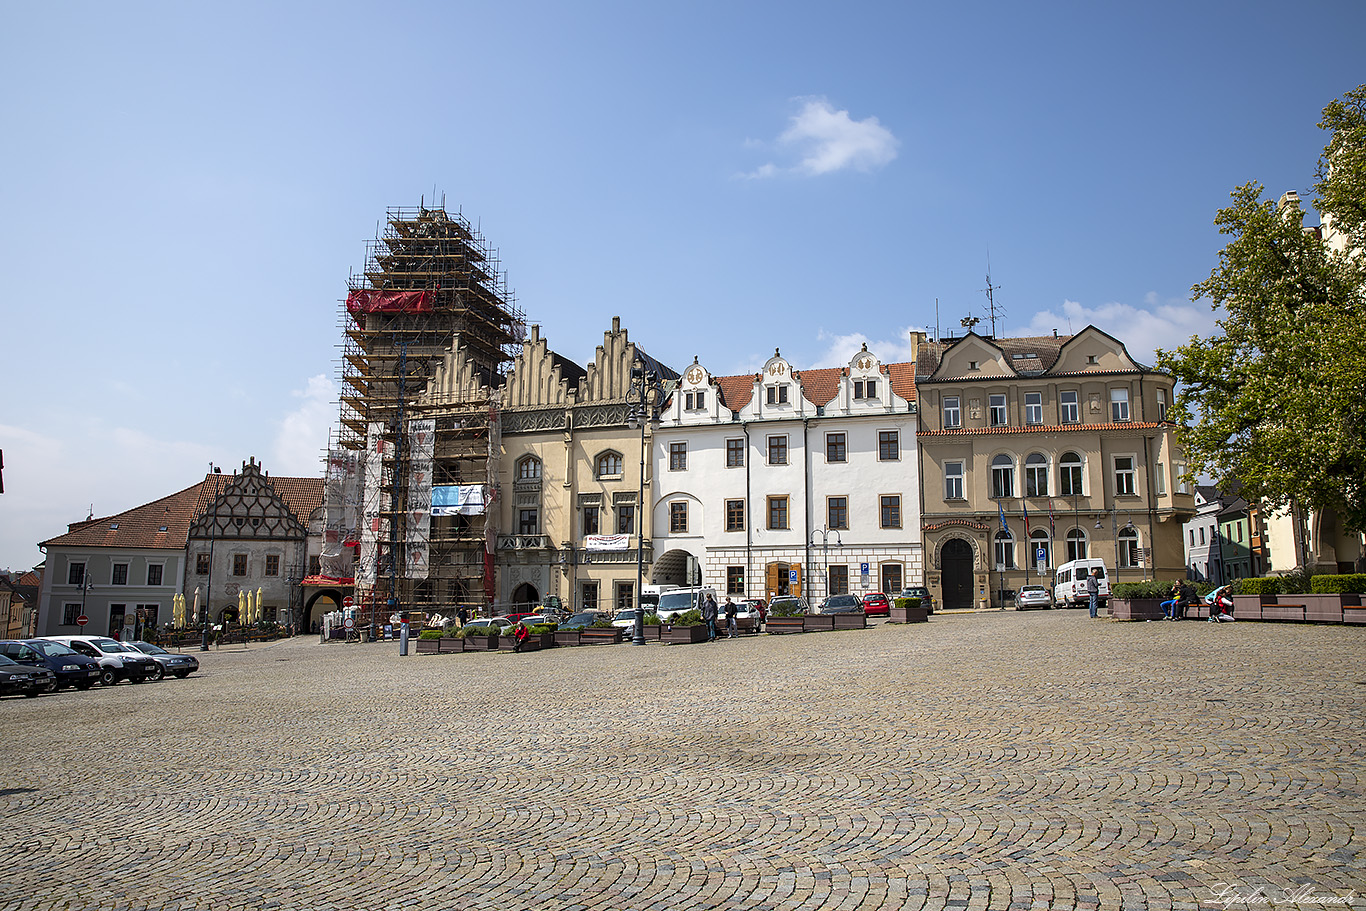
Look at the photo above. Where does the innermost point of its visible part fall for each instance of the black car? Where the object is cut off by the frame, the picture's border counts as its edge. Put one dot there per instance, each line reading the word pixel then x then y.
pixel 69 668
pixel 842 604
pixel 921 592
pixel 582 619
pixel 21 679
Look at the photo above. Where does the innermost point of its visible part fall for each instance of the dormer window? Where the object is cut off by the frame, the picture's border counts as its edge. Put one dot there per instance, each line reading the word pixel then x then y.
pixel 777 395
pixel 694 401
pixel 972 365
pixel 865 389
pixel 1091 359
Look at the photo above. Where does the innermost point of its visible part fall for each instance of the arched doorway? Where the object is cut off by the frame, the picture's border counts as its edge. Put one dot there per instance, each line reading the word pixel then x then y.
pixel 778 580
pixel 526 593
pixel 956 560
pixel 331 600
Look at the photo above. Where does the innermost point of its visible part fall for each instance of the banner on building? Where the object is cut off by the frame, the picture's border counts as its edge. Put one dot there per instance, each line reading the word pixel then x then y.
pixel 374 525
pixel 459 500
pixel 342 510
pixel 418 515
pixel 606 542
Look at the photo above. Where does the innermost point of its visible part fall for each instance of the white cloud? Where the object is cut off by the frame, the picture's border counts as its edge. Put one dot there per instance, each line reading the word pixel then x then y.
pixel 840 349
pixel 301 437
pixel 825 140
pixel 1160 323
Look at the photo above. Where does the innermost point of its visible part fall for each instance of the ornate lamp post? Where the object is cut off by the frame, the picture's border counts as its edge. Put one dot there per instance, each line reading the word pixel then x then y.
pixel 642 399
pixel 825 531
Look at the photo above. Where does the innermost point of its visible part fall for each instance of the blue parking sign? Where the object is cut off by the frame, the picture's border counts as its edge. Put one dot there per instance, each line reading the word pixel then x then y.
pixel 791 575
pixel 863 569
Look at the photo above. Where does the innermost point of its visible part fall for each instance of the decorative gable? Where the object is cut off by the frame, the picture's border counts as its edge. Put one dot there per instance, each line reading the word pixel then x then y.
pixel 974 357
pixel 1092 350
pixel 248 507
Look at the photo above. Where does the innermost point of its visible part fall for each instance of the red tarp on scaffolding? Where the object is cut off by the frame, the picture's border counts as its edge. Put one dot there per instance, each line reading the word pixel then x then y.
pixel 371 300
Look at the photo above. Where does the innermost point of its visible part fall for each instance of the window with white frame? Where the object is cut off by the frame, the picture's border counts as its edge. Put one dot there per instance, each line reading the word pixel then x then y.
pixel 529 469
pixel 1068 411
pixel 1069 475
pixel 694 401
pixel 888 446
pixel 609 465
pixel 1036 475
pixel 953 413
pixel 678 517
pixel 1005 550
pixel 1160 480
pixel 1076 544
pixel 1119 404
pixel 998 410
pixel 1128 547
pixel 1182 483
pixel 953 480
pixel 1161 404
pixel 836 449
pixel 1124 476
pixel 865 389
pixel 777 395
pixel 1002 477
pixel 777 450
pixel 890 509
pixel 735 453
pixel 1033 407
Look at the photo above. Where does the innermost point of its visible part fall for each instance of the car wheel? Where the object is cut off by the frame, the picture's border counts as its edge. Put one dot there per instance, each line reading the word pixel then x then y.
pixel 158 672
pixel 108 677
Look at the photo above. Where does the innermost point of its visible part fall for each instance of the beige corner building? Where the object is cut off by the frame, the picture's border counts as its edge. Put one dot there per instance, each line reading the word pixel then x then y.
pixel 1036 451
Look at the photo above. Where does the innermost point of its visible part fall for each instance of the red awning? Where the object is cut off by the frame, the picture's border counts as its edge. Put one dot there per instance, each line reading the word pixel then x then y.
pixel 372 300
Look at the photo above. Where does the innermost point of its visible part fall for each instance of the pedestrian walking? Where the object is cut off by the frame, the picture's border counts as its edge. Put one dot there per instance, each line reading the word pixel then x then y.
pixel 730 618
pixel 1093 590
pixel 709 616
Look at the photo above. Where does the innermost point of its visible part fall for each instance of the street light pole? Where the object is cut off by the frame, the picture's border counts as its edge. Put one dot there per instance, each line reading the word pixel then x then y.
pixel 825 531
pixel 642 399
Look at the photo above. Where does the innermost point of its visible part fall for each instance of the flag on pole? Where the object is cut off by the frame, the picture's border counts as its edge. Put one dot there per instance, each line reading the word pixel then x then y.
pixel 1051 531
pixel 1025 504
pixel 1002 510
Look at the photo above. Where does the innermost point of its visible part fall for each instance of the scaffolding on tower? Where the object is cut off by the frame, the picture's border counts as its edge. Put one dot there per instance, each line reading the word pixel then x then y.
pixel 431 285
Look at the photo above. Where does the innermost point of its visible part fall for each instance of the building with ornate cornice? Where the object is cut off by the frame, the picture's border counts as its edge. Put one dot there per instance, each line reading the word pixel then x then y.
pixel 790 481
pixel 1036 451
pixel 566 504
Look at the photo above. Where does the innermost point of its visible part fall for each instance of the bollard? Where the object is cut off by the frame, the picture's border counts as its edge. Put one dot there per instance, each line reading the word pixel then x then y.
pixel 403 639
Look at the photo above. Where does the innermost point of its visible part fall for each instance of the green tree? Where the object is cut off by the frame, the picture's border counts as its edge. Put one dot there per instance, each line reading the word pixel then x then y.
pixel 1275 400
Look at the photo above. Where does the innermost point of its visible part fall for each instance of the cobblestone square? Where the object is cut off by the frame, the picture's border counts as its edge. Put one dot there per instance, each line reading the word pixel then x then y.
pixel 989 760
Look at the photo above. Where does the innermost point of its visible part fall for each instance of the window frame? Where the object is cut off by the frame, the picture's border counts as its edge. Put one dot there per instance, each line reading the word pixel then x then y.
pixel 626 518
pixel 778 509
pixel 272 564
pixel 889 510
pixel 590 519
pixel 1069 412
pixel 778 441
pixel 678 517
pixel 75 572
pixel 955 479
pixel 202 564
pixel 239 565
pixel 836 446
pixel 529 468
pixel 837 516
pixel 532 527
pixel 1119 404
pixel 889 446
pixel 1002 477
pixel 735 515
pixel 1125 479
pixel 1033 409
pixel 1072 476
pixel 678 456
pixel 1003 550
pixel 998 414
pixel 952 414
pixel 735 452
pixel 116 577
pixel 605 462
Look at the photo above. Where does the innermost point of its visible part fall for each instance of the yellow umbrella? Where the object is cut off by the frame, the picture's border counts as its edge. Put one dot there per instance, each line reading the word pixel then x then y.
pixel 241 606
pixel 177 609
pixel 259 608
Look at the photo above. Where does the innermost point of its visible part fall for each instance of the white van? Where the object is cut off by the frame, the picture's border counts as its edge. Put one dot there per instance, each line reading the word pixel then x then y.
pixel 1069 583
pixel 678 600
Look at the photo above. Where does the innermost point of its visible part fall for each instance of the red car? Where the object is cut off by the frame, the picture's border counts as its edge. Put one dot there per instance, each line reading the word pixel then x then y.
pixel 876 603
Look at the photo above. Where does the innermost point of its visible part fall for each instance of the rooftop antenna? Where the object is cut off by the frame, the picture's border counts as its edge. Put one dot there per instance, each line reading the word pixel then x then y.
pixel 992 310
pixel 937 336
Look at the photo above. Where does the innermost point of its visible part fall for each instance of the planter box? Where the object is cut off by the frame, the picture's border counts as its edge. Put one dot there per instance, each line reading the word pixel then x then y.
pixel 818 623
pixel 566 636
pixel 1136 608
pixel 1280 612
pixel 532 643
pixel 684 635
pixel 908 615
pixel 779 625
pixel 1321 608
pixel 481 644
pixel 443 646
pixel 850 621
pixel 601 635
pixel 1248 607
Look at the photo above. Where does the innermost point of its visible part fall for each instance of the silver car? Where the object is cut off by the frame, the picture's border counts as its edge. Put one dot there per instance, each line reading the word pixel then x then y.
pixel 1033 596
pixel 167 662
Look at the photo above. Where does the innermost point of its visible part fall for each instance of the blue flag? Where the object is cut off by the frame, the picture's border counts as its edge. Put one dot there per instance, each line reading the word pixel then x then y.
pixel 1004 526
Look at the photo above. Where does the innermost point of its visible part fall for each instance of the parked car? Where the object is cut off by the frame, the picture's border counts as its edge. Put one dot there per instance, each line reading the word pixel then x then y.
pixel 841 604
pixel 921 592
pixel 167 662
pixel 582 619
pixel 626 619
pixel 788 606
pixel 877 604
pixel 1033 596
pixel 677 601
pixel 1069 583
pixel 514 619
pixel 69 668
pixel 491 624
pixel 24 679
pixel 117 661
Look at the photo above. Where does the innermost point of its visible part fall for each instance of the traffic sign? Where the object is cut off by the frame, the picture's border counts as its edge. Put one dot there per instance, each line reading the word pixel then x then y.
pixel 82 620
pixel 863 569
pixel 350 623
pixel 792 575
pixel 346 602
pixel 1040 554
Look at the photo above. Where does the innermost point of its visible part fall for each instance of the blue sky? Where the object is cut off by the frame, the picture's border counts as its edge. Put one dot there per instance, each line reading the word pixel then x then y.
pixel 187 187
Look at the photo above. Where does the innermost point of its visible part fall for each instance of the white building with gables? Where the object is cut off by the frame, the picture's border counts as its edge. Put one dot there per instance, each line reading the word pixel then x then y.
pixel 789 481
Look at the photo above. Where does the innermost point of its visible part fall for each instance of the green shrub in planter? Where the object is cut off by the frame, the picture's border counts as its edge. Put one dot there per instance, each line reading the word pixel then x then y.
pixel 651 619
pixel 540 628
pixel 903 603
pixel 787 608
pixel 1335 584
pixel 1295 582
pixel 429 634
pixel 1258 585
pixel 601 624
pixel 688 618
pixel 1148 589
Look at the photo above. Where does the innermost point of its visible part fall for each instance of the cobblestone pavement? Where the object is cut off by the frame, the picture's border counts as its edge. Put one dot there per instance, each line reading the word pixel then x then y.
pixel 994 760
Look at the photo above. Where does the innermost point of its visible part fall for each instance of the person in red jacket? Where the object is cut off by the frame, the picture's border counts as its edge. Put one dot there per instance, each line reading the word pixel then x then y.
pixel 521 634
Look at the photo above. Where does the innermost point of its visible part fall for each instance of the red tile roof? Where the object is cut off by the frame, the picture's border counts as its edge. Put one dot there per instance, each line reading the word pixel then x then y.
pixel 820 385
pixel 736 391
pixel 1050 428
pixel 165 523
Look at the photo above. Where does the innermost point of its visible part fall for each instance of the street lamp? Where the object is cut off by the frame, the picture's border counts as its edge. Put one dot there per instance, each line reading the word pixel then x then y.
pixel 643 401
pixel 825 531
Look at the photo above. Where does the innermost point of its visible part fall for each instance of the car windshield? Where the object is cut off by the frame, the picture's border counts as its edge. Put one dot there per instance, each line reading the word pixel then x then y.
pixel 842 601
pixel 7 662
pixel 52 649
pixel 1032 589
pixel 149 648
pixel 109 645
pixel 585 617
pixel 677 601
